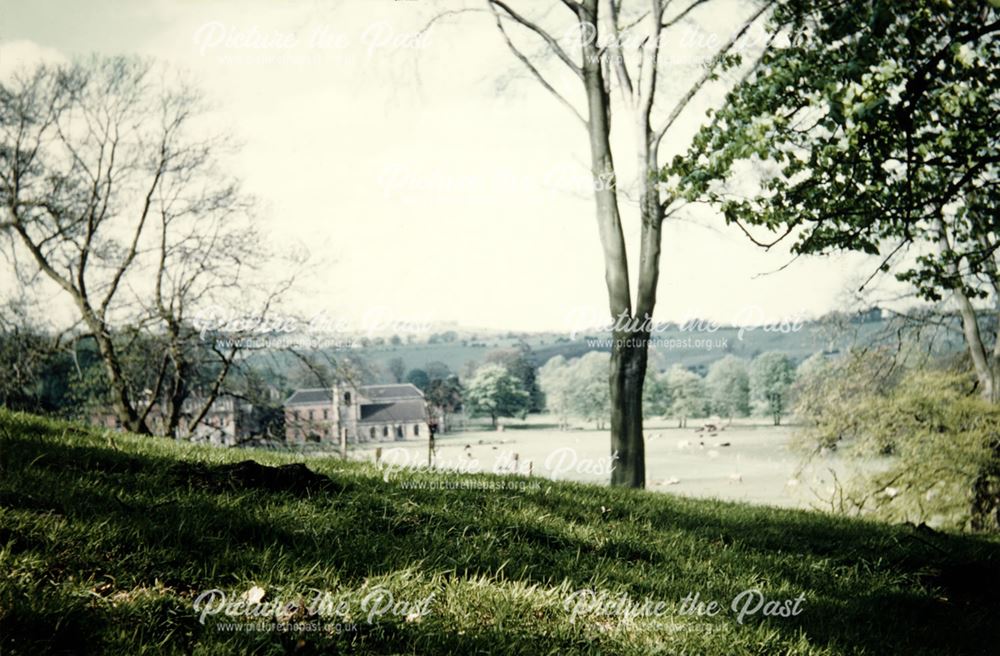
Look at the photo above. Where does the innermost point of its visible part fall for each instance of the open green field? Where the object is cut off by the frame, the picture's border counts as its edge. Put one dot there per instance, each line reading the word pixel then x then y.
pixel 749 460
pixel 108 541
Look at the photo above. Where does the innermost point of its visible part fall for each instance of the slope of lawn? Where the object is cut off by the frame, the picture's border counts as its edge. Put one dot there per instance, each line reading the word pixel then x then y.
pixel 107 540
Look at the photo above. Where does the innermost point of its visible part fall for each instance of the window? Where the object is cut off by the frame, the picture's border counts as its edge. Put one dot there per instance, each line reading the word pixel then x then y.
pixel 385 431
pixel 310 415
pixel 326 414
pixel 347 398
pixel 295 413
pixel 373 432
pixel 416 429
pixel 399 432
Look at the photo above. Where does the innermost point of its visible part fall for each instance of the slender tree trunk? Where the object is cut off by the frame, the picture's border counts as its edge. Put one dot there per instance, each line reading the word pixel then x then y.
pixel 120 398
pixel 986 373
pixel 628 354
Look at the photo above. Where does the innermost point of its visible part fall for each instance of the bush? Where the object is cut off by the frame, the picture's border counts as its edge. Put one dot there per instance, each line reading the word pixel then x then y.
pixel 944 439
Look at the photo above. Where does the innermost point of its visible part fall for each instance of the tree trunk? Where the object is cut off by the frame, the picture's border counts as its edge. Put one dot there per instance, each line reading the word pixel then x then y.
pixel 628 361
pixel 121 401
pixel 628 371
pixel 986 373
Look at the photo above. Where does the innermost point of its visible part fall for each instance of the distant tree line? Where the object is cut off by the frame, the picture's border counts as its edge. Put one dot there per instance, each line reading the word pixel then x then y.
pixel 733 387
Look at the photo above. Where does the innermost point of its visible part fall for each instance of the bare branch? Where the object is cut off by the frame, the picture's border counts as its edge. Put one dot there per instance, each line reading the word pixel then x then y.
pixel 709 70
pixel 534 71
pixel 552 43
pixel 682 15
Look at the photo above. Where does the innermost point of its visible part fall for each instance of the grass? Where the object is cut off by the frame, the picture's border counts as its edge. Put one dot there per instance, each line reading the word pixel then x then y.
pixel 106 540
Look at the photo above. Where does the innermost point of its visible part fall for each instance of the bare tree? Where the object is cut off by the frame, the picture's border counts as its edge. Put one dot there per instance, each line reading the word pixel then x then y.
pixel 108 186
pixel 617 44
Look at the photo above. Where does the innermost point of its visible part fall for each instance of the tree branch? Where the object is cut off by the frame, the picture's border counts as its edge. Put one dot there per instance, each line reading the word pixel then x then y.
pixel 531 67
pixel 552 43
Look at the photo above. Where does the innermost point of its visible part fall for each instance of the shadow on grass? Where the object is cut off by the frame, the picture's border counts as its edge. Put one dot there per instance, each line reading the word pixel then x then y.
pixel 143 521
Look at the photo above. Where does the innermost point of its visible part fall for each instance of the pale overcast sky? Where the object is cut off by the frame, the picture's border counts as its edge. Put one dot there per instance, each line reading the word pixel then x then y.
pixel 427 177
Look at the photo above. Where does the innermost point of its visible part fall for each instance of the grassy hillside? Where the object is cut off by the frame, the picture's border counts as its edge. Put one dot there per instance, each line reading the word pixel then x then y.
pixel 107 540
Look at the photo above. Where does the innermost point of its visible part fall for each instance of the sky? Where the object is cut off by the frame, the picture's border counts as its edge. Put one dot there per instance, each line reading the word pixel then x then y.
pixel 427 177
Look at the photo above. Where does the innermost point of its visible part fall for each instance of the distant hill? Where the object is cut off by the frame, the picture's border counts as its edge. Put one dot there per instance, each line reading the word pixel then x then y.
pixel 693 349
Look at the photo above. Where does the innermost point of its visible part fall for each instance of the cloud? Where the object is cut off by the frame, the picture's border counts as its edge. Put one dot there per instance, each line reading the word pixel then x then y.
pixel 23 54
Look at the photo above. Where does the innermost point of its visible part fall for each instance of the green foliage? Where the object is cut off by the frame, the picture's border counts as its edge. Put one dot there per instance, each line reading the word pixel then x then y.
pixel 868 126
pixel 445 394
pixel 826 391
pixel 728 383
pixel 771 376
pixel 656 398
pixel 419 378
pixel 397 369
pixel 437 370
pixel 578 387
pixel 520 362
pixel 34 376
pixel 688 396
pixel 944 440
pixel 555 380
pixel 495 392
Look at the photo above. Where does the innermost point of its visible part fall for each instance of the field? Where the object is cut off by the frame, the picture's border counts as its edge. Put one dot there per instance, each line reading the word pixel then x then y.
pixel 755 466
pixel 117 544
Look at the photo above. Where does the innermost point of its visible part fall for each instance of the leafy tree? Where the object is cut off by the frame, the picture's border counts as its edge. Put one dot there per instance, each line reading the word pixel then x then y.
pixel 771 376
pixel 419 378
pixel 437 370
pixel 827 389
pixel 589 396
pixel 871 126
pixel 397 368
pixel 687 393
pixel 446 395
pixel 615 52
pixel 728 383
pixel 944 440
pixel 810 391
pixel 495 392
pixel 520 362
pixel 555 378
pixel 656 399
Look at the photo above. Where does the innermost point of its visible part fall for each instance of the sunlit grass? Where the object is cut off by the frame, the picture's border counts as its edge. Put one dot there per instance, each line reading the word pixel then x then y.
pixel 106 540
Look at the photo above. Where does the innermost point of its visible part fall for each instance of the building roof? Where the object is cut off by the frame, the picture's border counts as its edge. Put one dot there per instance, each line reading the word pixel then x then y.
pixel 310 396
pixel 397 392
pixel 372 413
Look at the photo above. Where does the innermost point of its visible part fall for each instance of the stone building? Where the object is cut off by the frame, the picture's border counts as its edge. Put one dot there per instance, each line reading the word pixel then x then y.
pixel 229 421
pixel 369 413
